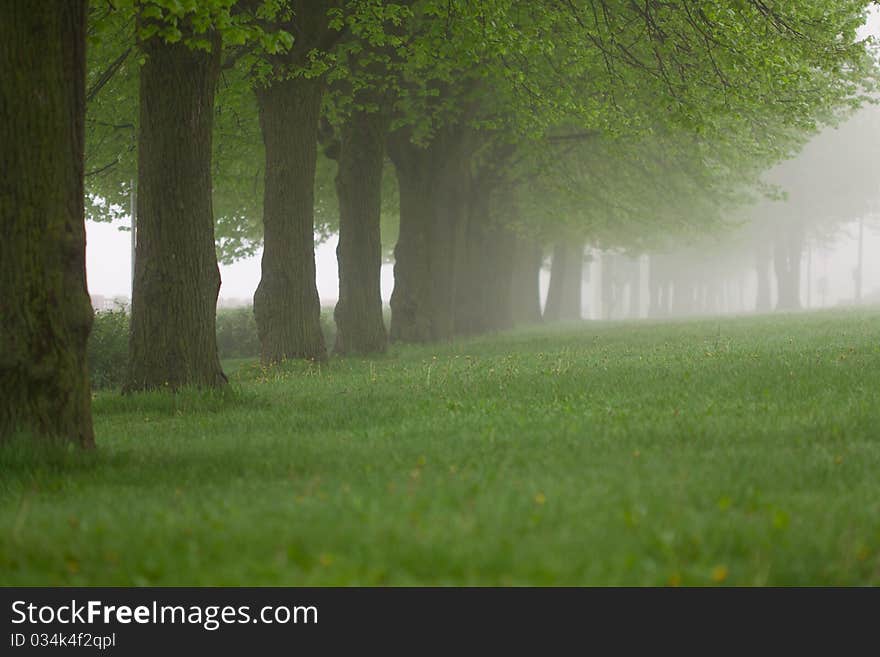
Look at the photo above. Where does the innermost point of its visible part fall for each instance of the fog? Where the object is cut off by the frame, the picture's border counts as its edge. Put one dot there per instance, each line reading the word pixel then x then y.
pixel 830 198
pixel 810 242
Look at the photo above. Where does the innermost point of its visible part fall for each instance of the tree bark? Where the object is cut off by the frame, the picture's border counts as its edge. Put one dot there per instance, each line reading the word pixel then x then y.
pixel 287 308
pixel 173 334
pixel 451 189
pixel 410 299
pixel 45 313
pixel 484 290
pixel 358 314
pixel 434 184
pixel 501 254
pixel 525 291
pixel 564 295
pixel 472 315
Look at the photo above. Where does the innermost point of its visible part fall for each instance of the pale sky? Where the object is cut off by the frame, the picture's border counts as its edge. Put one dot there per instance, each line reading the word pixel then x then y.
pixel 108 259
pixel 108 263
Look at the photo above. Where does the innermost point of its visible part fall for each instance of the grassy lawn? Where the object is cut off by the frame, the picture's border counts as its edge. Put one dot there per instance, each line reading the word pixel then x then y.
pixel 740 451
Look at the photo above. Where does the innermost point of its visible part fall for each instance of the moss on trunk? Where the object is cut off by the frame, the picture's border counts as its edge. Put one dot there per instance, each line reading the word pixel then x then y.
pixel 176 279
pixel 45 313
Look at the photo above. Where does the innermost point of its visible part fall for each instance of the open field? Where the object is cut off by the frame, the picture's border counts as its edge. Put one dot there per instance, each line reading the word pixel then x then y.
pixel 736 451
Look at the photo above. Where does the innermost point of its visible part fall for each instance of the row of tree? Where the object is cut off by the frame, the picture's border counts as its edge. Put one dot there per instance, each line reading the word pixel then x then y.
pixel 511 126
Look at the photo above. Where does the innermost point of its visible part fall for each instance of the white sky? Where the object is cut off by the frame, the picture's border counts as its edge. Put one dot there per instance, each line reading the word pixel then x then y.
pixel 108 265
pixel 109 274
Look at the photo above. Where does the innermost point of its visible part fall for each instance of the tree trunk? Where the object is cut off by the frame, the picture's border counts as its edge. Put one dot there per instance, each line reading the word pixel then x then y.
pixel 451 189
pixel 45 313
pixel 287 308
pixel 173 333
pixel 471 303
pixel 434 185
pixel 763 302
pixel 525 291
pixel 787 263
pixel 410 299
pixel 661 281
pixel 358 314
pixel 501 254
pixel 564 295
pixel 485 276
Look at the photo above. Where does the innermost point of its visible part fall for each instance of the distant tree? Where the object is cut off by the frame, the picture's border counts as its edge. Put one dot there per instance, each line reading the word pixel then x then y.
pixel 833 180
pixel 45 313
pixel 361 157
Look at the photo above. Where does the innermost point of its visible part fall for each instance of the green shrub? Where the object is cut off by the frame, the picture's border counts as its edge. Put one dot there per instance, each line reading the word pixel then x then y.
pixel 108 349
pixel 237 333
pixel 328 327
pixel 236 338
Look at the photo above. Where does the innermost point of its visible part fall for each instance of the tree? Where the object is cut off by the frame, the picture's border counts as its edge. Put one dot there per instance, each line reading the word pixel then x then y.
pixel 44 305
pixel 357 125
pixel 358 314
pixel 177 280
pixel 564 294
pixel 716 81
pixel 484 295
pixel 525 290
pixel 286 304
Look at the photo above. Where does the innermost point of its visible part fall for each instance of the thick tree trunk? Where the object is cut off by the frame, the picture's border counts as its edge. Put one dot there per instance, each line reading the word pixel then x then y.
pixel 525 291
pixel 286 304
pixel 564 295
pixel 763 302
pixel 176 282
pixel 787 264
pixel 358 314
pixel 471 304
pixel 45 313
pixel 451 189
pixel 555 291
pixel 411 297
pixel 434 185
pixel 661 280
pixel 501 254
pixel 484 290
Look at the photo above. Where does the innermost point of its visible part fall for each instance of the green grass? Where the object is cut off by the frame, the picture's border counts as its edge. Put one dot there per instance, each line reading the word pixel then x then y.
pixel 740 451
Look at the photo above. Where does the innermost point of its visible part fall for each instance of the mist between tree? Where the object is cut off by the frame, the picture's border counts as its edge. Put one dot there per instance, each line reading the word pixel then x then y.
pixel 661 159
